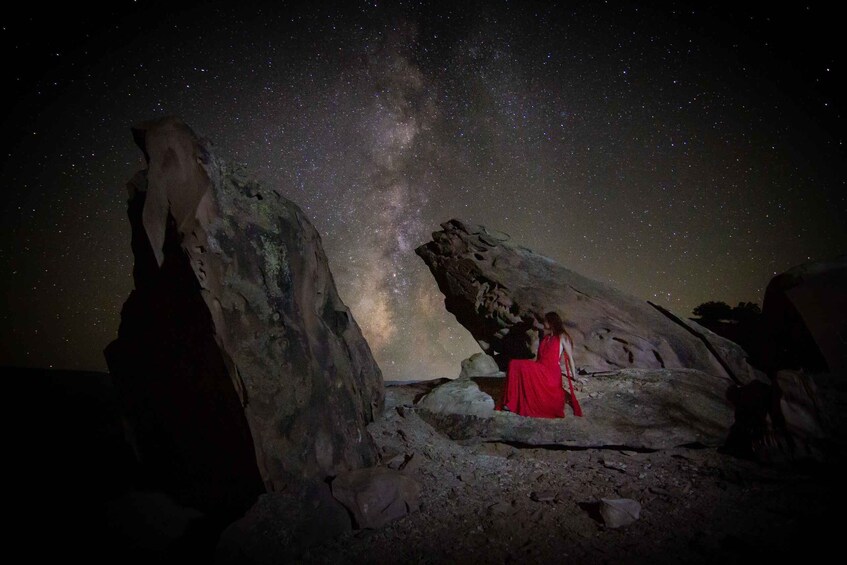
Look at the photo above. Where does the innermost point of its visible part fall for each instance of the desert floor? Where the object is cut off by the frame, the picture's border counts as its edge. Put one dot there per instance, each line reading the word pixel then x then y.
pixel 497 503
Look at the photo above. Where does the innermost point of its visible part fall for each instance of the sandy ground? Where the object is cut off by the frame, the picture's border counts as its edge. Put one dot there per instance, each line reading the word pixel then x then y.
pixel 499 503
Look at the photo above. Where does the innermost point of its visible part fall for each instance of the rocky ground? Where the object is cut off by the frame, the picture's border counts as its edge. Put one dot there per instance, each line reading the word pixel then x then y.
pixel 498 503
pixel 74 494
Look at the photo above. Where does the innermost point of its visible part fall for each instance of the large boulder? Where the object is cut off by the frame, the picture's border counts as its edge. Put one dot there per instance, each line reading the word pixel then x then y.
pixel 498 291
pixel 240 368
pixel 805 318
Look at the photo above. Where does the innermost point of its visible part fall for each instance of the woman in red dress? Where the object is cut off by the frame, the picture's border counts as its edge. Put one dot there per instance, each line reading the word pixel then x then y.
pixel 534 387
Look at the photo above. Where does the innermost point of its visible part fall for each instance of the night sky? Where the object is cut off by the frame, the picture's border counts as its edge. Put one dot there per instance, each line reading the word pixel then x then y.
pixel 677 151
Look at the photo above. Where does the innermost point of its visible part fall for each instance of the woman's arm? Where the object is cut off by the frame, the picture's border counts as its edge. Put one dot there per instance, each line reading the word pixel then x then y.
pixel 567 349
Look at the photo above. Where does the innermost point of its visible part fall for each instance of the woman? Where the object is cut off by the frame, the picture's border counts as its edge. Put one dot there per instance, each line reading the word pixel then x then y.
pixel 534 387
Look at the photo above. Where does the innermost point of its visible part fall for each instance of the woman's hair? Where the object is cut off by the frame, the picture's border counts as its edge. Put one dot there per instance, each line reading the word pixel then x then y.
pixel 556 324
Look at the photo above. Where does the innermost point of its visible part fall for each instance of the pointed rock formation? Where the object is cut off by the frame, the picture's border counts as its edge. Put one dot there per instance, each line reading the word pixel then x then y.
pixel 497 289
pixel 241 369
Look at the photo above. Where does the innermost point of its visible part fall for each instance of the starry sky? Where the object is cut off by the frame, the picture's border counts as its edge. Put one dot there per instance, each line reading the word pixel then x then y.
pixel 682 152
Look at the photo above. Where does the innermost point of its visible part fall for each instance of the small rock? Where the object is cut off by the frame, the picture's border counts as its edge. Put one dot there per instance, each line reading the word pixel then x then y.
pixel 543 496
pixel 617 512
pixel 479 365
pixel 397 461
pixel 616 465
pixel 501 507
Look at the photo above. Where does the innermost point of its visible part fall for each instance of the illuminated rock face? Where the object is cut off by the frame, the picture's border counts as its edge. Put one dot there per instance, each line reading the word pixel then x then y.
pixel 496 290
pixel 241 369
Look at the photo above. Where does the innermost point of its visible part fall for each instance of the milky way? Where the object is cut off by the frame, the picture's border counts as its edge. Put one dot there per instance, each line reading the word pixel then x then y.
pixel 677 151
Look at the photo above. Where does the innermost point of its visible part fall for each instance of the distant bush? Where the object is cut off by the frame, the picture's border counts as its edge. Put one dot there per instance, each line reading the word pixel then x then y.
pixel 746 312
pixel 721 311
pixel 714 311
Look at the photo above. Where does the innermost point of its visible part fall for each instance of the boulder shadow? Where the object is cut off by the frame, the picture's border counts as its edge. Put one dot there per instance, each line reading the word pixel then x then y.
pixel 593 511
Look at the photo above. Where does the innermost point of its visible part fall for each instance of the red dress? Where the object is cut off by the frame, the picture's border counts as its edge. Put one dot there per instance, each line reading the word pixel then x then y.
pixel 534 387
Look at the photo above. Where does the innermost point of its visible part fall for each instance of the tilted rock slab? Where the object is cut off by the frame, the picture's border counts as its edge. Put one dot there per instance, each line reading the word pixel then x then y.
pixel 629 408
pixel 494 288
pixel 241 368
